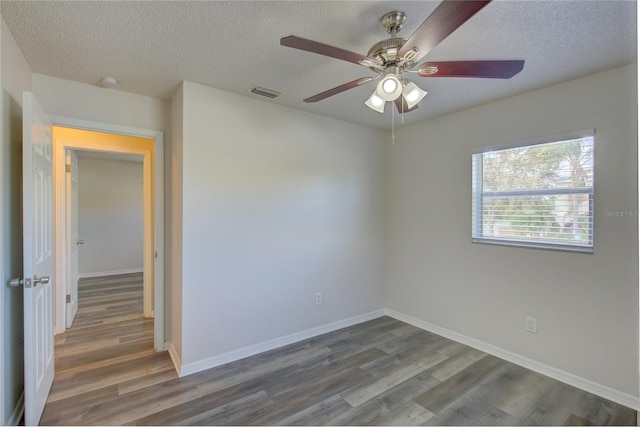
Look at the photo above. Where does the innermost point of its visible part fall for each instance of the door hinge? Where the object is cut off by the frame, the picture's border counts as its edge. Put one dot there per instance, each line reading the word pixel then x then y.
pixel 68 168
pixel 68 298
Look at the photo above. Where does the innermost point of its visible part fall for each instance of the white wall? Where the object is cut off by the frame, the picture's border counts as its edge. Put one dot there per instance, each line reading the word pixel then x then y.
pixel 65 98
pixel 586 305
pixel 110 216
pixel 16 77
pixel 277 205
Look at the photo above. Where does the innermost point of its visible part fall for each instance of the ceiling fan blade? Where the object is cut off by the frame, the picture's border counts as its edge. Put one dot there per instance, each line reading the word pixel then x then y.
pixel 338 89
pixel 402 107
pixel 447 17
pixel 484 69
pixel 334 52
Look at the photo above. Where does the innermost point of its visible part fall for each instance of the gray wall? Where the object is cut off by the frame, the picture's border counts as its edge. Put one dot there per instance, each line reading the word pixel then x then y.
pixel 586 305
pixel 173 250
pixel 110 216
pixel 278 204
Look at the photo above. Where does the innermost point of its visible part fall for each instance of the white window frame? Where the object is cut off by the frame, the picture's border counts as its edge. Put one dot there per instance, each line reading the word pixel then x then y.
pixel 478 198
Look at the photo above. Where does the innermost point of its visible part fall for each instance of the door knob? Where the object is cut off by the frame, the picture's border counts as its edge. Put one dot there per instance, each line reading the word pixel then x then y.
pixel 27 282
pixel 40 280
pixel 80 242
pixel 19 281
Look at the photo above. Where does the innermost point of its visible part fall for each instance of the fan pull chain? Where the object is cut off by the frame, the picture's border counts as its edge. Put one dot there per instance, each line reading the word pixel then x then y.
pixel 393 130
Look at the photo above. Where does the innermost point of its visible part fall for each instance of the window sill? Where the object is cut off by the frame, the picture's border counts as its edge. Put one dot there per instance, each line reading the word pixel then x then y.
pixel 534 245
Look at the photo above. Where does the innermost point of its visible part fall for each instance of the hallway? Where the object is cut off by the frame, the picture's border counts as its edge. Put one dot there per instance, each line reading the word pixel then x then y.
pixel 109 299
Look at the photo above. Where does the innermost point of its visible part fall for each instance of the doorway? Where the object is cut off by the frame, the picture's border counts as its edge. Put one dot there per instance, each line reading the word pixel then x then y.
pixel 94 140
pixel 105 220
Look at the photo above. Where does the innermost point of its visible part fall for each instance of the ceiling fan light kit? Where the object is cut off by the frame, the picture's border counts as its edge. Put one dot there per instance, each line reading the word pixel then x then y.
pixel 392 57
pixel 376 103
pixel 413 94
pixel 389 87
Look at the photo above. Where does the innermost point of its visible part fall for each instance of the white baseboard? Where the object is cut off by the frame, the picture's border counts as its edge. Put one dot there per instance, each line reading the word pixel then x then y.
pixel 110 273
pixel 557 374
pixel 175 358
pixel 252 350
pixel 18 411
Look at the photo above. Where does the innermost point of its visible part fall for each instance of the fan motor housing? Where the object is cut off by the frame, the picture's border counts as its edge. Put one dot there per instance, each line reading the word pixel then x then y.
pixel 387 52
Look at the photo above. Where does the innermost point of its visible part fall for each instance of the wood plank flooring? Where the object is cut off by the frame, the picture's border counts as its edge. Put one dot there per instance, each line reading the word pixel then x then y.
pixel 109 299
pixel 382 372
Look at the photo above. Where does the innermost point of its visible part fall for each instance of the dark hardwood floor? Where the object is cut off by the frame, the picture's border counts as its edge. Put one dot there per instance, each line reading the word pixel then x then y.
pixel 382 372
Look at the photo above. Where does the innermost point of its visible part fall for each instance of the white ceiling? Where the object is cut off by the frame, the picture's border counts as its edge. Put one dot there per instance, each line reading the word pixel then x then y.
pixel 150 46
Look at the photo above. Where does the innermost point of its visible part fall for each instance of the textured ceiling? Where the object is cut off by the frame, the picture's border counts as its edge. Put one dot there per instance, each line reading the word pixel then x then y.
pixel 150 46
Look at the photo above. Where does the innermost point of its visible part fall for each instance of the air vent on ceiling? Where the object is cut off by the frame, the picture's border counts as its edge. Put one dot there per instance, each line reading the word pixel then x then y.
pixel 265 92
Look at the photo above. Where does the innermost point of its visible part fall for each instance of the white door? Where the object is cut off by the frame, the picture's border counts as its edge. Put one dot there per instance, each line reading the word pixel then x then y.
pixel 71 189
pixel 38 257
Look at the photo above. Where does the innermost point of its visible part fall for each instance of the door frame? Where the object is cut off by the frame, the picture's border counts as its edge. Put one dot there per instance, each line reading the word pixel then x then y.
pixel 153 183
pixel 71 209
pixel 3 384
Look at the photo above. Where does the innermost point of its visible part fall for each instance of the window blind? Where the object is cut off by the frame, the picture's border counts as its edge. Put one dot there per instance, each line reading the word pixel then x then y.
pixel 538 195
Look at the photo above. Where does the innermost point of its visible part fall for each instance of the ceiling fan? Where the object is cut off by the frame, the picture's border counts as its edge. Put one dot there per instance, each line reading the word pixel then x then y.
pixel 392 57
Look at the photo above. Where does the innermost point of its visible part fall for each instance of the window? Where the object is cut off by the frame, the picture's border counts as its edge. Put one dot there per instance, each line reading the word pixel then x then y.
pixel 537 194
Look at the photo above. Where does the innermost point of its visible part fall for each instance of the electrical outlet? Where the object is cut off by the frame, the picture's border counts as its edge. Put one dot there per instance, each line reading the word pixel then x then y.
pixel 530 324
pixel 318 298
